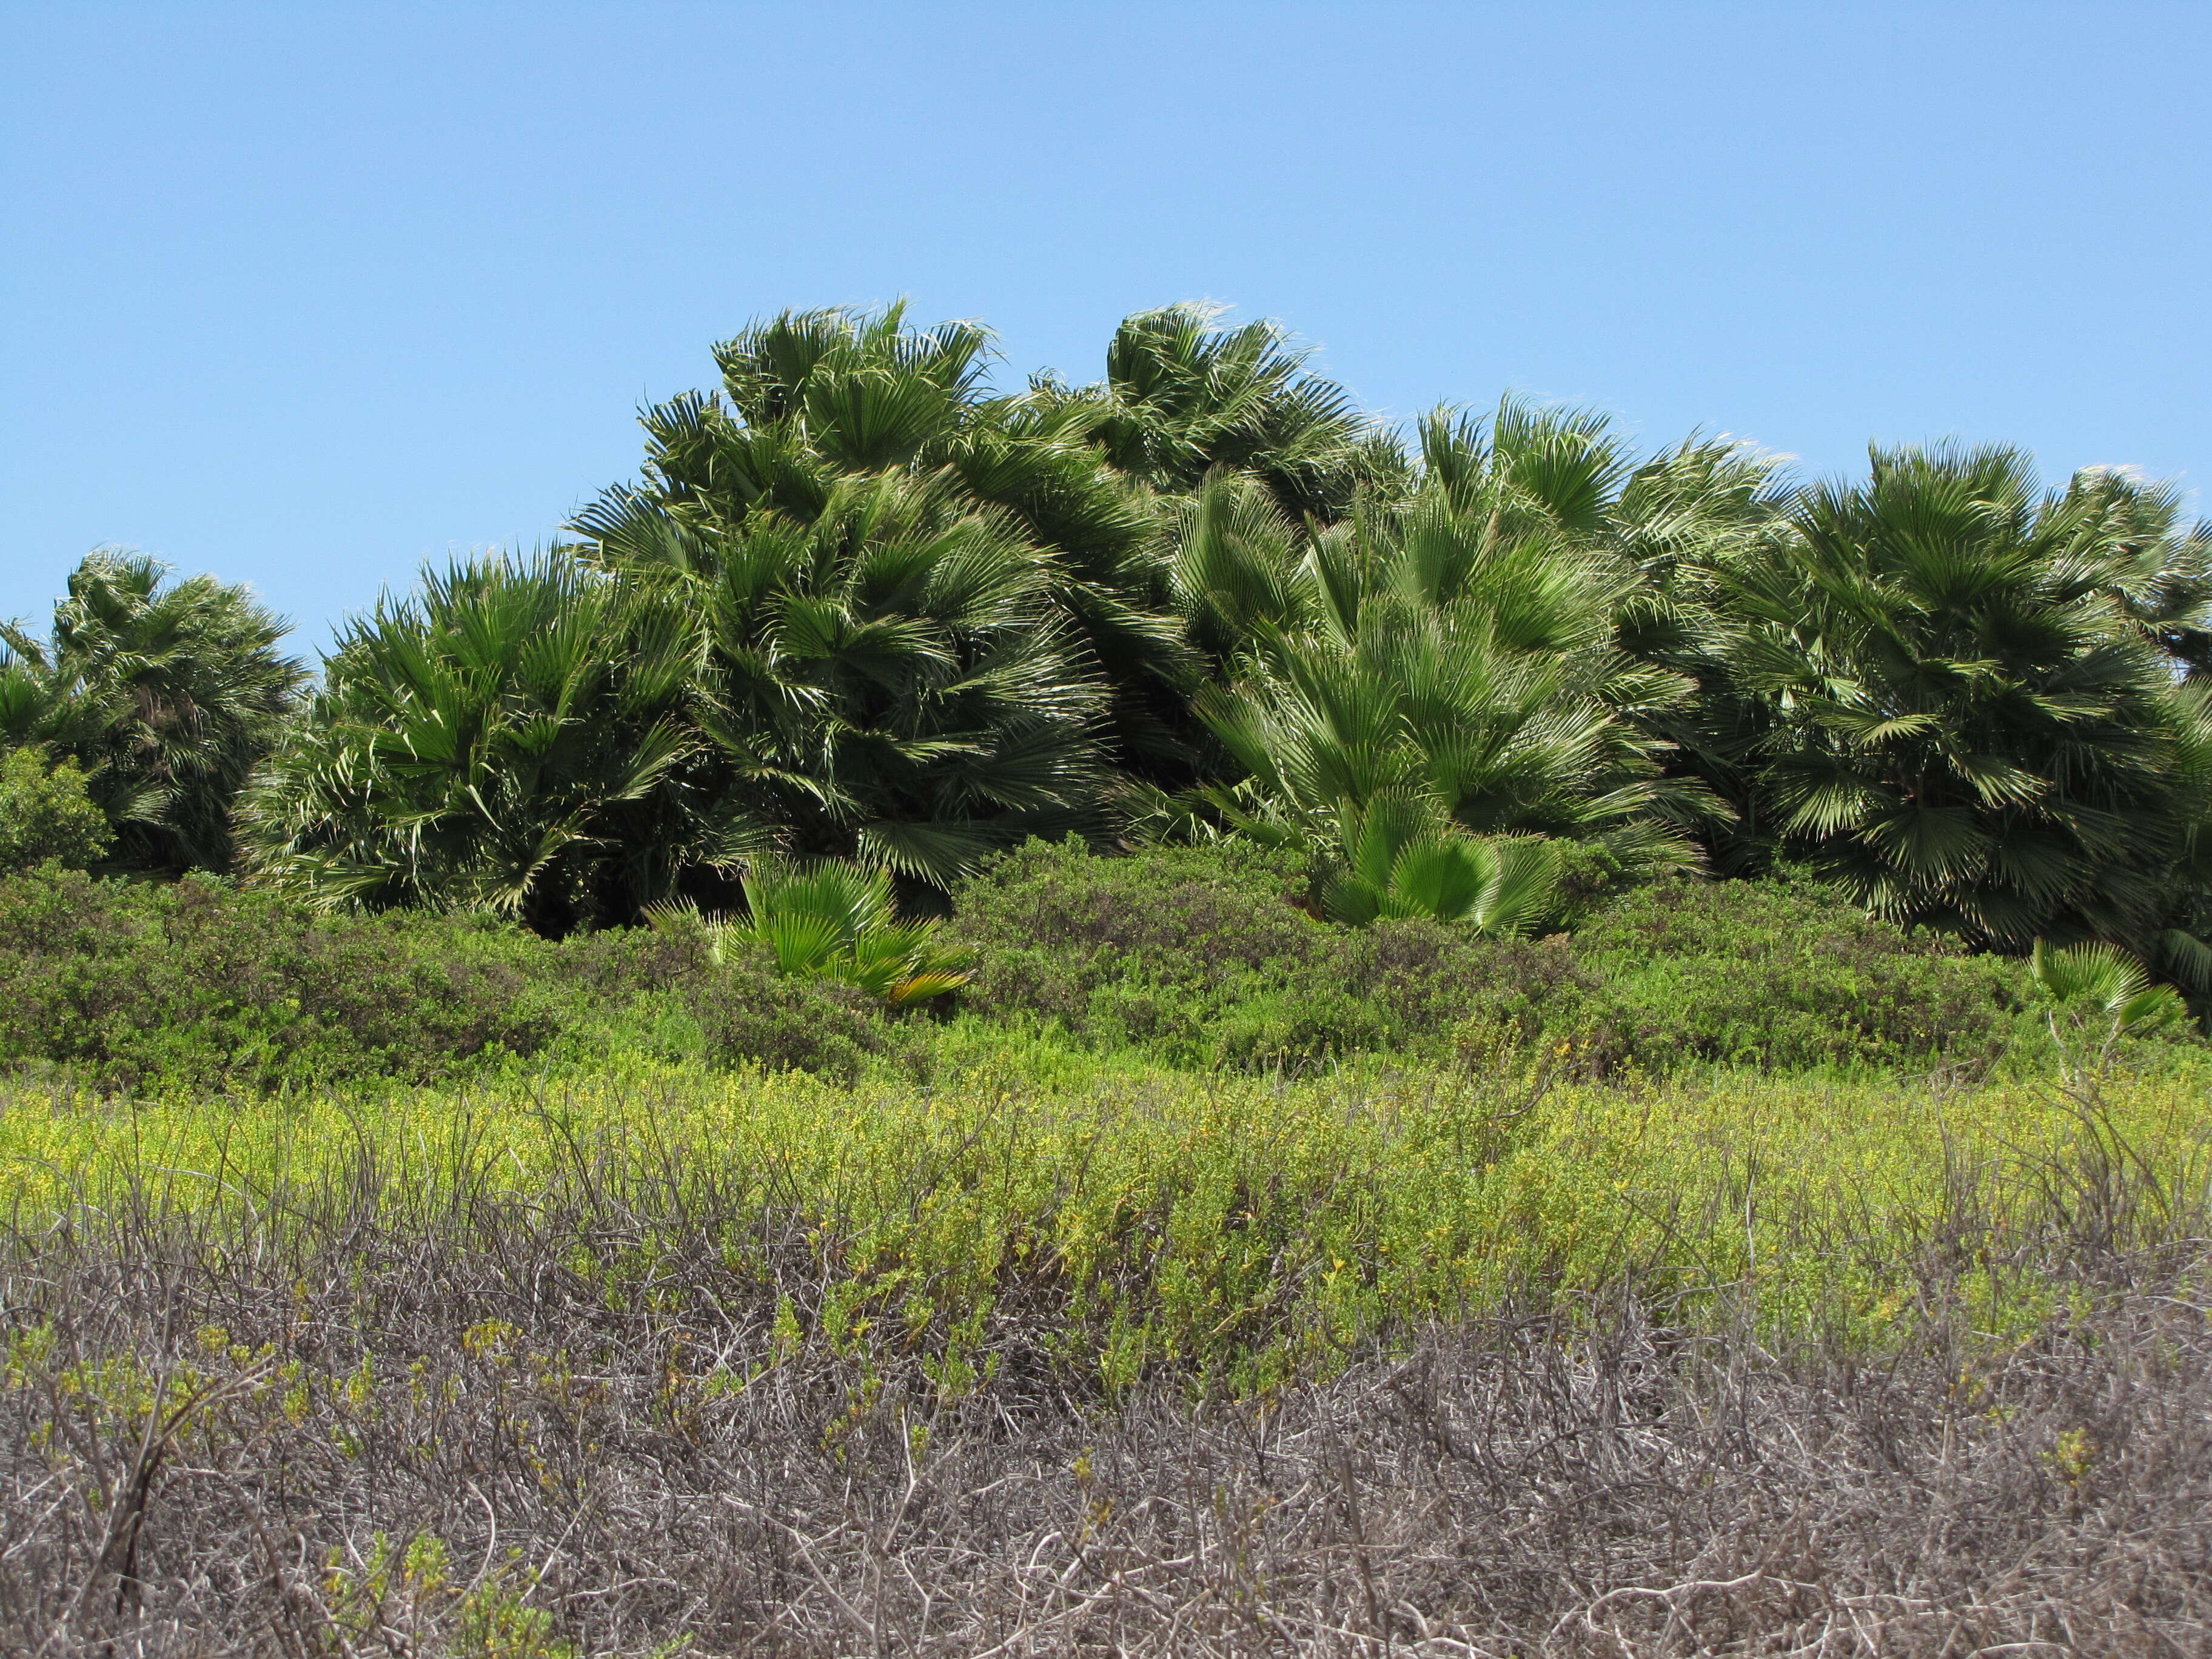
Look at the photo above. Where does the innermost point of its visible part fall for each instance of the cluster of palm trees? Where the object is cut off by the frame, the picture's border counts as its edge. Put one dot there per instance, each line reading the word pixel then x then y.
pixel 163 698
pixel 859 606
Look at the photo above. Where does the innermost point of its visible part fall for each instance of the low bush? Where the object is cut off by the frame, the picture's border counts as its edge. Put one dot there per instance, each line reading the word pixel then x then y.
pixel 200 984
pixel 1781 975
pixel 1209 956
pixel 677 996
pixel 45 814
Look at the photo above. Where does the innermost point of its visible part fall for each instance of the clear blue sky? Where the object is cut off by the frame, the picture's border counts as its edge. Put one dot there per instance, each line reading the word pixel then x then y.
pixel 307 294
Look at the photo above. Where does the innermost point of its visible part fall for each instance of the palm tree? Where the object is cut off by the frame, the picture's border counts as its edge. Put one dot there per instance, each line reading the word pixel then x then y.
pixel 511 739
pixel 1403 700
pixel 887 678
pixel 1451 666
pixel 2163 579
pixel 1970 720
pixel 815 405
pixel 167 696
pixel 1184 395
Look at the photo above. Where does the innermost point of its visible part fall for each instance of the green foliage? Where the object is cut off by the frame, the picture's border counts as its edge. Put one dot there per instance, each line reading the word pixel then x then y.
pixel 196 984
pixel 1398 863
pixel 886 679
pixel 1184 395
pixel 1966 722
pixel 510 739
pixel 167 697
pixel 2095 999
pixel 45 814
pixel 922 609
pixel 830 920
pixel 861 606
pixel 689 999
pixel 1203 956
pixel 1783 977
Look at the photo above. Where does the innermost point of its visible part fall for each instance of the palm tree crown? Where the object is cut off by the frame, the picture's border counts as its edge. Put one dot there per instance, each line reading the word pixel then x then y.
pixel 167 694
pixel 1972 721
pixel 510 738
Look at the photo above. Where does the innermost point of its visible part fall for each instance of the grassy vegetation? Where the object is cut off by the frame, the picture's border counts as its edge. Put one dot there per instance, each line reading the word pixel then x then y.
pixel 1209 1279
pixel 1055 1354
pixel 1242 1232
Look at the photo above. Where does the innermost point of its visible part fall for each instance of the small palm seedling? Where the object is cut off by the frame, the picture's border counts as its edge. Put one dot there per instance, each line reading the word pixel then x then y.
pixel 830 920
pixel 2095 997
pixel 1400 862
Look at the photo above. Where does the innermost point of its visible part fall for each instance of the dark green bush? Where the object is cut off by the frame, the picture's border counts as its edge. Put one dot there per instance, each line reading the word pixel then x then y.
pixel 128 985
pixel 1206 956
pixel 1781 975
pixel 664 990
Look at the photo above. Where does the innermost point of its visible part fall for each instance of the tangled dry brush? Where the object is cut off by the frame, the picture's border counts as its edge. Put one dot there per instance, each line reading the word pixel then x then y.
pixel 360 1432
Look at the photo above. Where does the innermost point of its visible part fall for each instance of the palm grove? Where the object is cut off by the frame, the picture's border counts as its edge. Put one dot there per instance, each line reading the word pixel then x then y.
pixel 861 608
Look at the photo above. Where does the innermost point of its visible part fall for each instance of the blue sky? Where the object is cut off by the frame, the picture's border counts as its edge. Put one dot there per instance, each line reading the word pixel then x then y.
pixel 306 294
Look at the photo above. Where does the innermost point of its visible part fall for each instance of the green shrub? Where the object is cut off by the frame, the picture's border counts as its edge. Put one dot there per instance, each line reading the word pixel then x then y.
pixel 1780 975
pixel 1205 956
pixel 129 986
pixel 133 983
pixel 690 997
pixel 46 814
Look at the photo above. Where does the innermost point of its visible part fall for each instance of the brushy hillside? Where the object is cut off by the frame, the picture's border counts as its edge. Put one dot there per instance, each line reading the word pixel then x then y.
pixel 1626 1088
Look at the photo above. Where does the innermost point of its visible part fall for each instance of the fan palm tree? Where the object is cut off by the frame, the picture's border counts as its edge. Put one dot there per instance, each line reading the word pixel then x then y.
pixel 2163 562
pixel 1521 474
pixel 39 707
pixel 511 739
pixel 1407 702
pixel 1184 395
pixel 1972 719
pixel 813 404
pixel 886 677
pixel 1452 664
pixel 167 694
